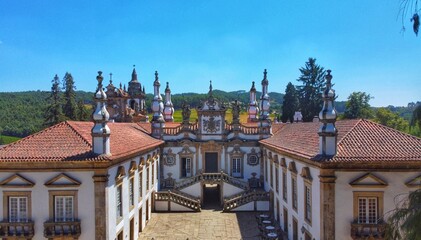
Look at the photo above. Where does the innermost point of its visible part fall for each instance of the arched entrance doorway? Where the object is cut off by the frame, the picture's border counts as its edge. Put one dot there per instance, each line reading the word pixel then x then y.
pixel 211 196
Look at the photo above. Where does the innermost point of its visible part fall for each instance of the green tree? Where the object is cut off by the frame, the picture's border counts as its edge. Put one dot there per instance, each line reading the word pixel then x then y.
pixel 404 221
pixel 310 91
pixel 290 104
pixel 69 107
pixel 416 116
pixel 82 113
pixel 386 117
pixel 53 113
pixel 357 106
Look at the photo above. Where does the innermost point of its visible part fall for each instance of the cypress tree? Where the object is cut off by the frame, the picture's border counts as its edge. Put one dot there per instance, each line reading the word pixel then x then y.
pixel 290 104
pixel 310 91
pixel 53 113
pixel 69 108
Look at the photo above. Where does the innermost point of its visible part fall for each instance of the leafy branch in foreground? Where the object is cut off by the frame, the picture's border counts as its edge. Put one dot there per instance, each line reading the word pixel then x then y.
pixel 404 221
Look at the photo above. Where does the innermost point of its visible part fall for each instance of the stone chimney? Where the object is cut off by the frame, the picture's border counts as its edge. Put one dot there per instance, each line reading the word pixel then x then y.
pixel 100 132
pixel 168 106
pixel 253 110
pixel 158 122
pixel 327 131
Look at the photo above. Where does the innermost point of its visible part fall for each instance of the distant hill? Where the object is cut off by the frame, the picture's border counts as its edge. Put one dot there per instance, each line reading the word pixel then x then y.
pixel 22 113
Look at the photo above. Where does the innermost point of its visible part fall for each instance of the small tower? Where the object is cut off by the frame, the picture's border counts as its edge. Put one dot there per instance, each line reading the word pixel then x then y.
pixel 135 92
pixel 264 99
pixel 100 132
pixel 158 122
pixel 168 106
pixel 328 132
pixel 253 110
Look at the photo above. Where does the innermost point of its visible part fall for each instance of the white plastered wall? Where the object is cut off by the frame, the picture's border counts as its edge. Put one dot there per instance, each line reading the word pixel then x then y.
pixel 344 195
pixel 40 199
pixel 314 227
pixel 114 227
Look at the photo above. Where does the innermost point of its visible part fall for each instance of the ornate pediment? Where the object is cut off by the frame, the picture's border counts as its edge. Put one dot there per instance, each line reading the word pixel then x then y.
pixel 133 167
pixel 17 181
pixel 368 180
pixel 305 173
pixel 414 182
pixel 236 151
pixel 186 151
pixel 121 173
pixel 291 167
pixel 283 162
pixel 62 180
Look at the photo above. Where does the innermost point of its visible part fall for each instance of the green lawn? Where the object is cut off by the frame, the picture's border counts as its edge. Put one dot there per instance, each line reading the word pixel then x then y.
pixel 7 139
pixel 228 116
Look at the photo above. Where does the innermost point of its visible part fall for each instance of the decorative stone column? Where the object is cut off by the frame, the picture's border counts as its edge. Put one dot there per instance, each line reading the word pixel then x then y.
pixel 327 204
pixel 100 179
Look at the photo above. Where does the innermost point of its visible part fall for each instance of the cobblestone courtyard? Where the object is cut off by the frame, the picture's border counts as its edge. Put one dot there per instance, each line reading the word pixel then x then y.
pixel 208 224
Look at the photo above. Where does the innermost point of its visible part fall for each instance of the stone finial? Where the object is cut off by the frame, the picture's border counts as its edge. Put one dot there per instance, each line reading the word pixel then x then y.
pixel 327 131
pixel 111 78
pixel 253 88
pixel 100 131
pixel 167 89
pixel 99 78
pixel 210 87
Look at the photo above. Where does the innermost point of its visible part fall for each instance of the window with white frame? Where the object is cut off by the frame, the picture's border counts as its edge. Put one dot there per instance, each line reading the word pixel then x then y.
pixel 266 168
pixel 18 209
pixel 140 184
pixel 277 179
pixel 147 177
pixel 367 210
pixel 368 207
pixel 307 202
pixel 186 167
pixel 271 173
pixel 119 202
pixel 63 208
pixel 236 167
pixel 294 191
pixel 284 185
pixel 153 173
pixel 131 191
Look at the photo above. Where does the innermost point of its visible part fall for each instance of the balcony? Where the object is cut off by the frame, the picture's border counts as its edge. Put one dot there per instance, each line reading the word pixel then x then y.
pixel 21 230
pixel 360 231
pixel 62 229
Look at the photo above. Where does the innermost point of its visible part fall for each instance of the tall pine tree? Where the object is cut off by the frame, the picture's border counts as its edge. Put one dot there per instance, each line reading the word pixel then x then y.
pixel 53 113
pixel 290 104
pixel 310 90
pixel 69 108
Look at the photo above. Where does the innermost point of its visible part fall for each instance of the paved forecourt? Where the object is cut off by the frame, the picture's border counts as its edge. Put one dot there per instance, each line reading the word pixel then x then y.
pixel 207 224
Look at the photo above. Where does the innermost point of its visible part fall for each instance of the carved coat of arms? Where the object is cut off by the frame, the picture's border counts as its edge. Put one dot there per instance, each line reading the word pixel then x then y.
pixel 211 125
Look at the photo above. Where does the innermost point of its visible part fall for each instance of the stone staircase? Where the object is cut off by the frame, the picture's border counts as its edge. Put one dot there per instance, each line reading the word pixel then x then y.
pixel 212 178
pixel 240 199
pixel 180 198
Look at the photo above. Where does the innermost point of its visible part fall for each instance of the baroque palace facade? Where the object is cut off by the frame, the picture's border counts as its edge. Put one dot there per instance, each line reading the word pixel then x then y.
pixel 320 180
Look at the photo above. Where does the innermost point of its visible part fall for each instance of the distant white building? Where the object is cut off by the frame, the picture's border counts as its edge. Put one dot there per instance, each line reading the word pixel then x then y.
pixel 101 180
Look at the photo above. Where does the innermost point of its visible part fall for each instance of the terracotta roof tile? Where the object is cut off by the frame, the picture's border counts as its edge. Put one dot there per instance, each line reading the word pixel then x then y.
pixel 72 141
pixel 358 140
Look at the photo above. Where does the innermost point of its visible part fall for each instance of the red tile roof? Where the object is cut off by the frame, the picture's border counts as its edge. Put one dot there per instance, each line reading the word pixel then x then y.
pixel 358 141
pixel 72 141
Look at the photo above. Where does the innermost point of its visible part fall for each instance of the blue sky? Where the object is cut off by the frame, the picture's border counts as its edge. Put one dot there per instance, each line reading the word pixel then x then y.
pixel 229 42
